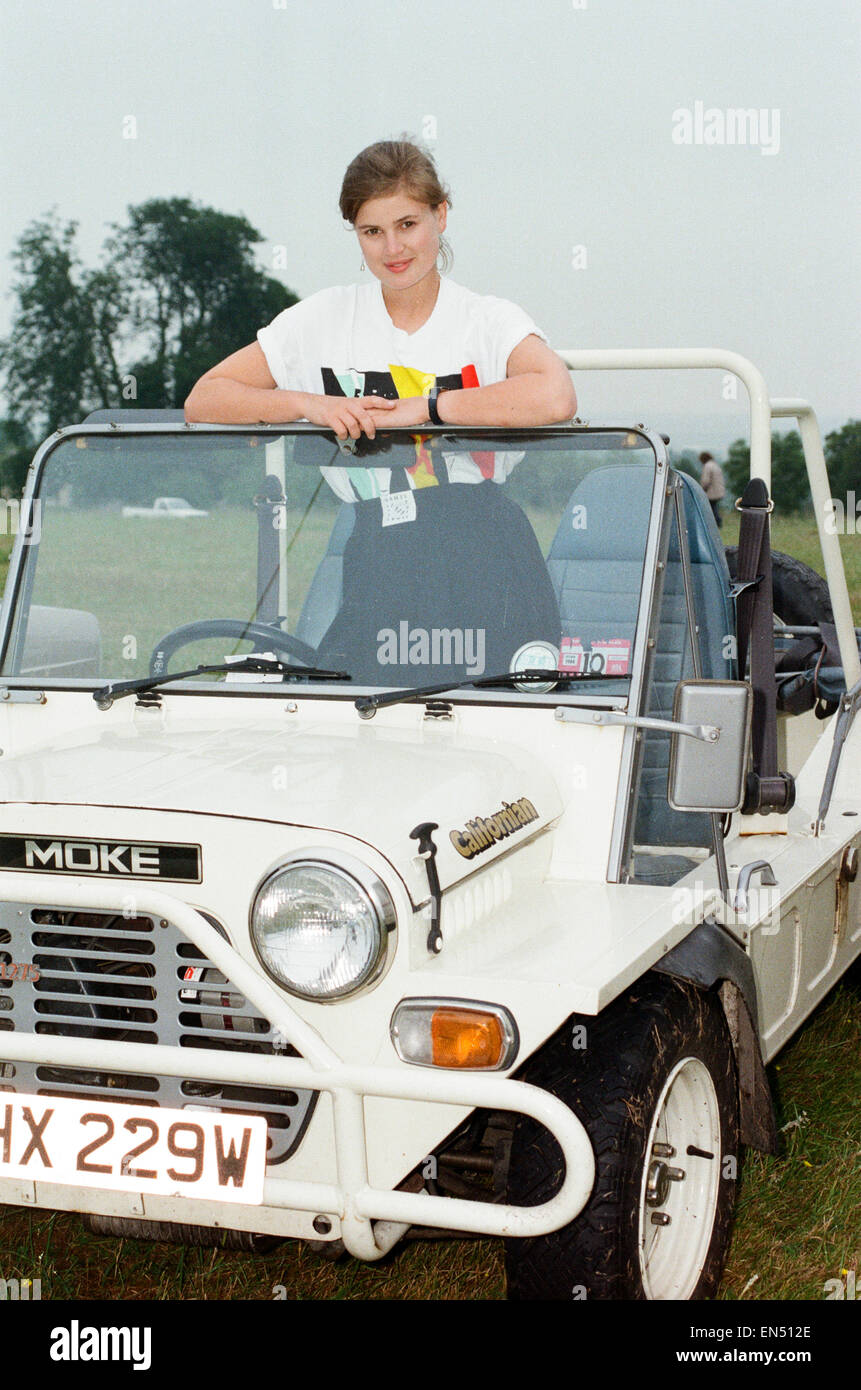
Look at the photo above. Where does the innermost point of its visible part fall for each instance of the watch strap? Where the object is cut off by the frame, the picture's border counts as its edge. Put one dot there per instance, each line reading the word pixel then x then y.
pixel 433 412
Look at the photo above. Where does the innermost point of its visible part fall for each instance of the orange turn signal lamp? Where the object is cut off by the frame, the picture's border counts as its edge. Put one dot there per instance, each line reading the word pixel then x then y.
pixel 454 1033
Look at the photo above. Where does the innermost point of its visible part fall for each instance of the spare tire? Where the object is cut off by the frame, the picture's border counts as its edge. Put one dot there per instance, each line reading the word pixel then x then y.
pixel 800 594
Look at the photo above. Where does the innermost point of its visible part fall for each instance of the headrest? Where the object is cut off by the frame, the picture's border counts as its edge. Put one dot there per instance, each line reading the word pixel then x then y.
pixel 607 516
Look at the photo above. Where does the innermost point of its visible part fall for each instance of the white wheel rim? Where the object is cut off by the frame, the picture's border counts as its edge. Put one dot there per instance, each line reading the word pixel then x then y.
pixel 674 1248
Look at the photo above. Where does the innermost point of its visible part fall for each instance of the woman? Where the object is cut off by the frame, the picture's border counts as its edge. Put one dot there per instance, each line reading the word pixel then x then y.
pixel 408 348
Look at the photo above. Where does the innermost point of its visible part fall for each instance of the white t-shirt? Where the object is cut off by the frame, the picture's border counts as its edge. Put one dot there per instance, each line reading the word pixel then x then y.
pixel 342 341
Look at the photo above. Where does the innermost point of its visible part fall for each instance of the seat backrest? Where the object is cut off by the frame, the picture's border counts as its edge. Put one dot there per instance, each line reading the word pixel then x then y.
pixel 596 559
pixel 656 822
pixel 467 573
pixel 323 598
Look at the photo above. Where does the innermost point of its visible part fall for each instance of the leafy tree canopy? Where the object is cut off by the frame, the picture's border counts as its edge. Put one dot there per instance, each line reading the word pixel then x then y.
pixel 789 487
pixel 177 290
pixel 843 459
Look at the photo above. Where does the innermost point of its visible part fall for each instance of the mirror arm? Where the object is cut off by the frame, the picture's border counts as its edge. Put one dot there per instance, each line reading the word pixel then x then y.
pixel 570 714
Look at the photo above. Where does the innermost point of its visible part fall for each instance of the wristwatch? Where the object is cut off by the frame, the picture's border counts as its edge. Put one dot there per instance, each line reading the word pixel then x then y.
pixel 433 412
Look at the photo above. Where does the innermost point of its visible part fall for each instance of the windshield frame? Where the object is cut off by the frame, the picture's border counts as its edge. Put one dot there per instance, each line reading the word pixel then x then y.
pixel 116 424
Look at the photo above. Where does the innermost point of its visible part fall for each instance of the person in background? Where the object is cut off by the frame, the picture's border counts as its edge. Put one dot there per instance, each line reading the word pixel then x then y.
pixel 712 483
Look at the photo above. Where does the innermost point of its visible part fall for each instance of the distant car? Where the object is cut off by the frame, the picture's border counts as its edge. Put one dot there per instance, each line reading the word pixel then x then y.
pixel 166 506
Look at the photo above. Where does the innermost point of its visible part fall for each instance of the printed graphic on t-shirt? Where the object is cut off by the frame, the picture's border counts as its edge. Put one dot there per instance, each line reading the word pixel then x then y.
pixel 395 384
pixel 400 383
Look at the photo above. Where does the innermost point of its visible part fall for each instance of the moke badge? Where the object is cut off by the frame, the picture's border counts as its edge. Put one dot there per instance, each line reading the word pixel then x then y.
pixel 46 854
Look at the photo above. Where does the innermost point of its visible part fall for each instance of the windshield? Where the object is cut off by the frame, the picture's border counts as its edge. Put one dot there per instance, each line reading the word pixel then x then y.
pixel 418 560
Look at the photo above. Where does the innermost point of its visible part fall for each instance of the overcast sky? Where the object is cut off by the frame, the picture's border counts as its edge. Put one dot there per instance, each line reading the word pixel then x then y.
pixel 556 124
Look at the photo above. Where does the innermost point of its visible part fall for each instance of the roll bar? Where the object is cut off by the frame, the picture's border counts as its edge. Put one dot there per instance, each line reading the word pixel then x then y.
pixel 762 412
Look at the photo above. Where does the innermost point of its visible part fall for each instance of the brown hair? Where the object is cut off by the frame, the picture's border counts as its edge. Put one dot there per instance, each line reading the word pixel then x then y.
pixel 387 166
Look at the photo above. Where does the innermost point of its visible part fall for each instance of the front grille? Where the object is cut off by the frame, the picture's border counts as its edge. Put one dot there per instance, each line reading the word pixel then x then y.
pixel 112 978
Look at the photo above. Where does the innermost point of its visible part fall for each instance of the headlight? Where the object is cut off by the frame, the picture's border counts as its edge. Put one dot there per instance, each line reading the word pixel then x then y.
pixel 321 930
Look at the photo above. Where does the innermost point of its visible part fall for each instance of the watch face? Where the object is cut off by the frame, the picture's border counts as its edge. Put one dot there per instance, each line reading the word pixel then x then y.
pixel 536 656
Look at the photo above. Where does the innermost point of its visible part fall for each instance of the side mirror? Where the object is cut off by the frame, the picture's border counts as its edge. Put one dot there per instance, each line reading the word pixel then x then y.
pixel 710 775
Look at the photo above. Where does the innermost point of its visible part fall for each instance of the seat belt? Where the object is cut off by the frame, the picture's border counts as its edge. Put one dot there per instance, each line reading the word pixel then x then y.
pixel 767 789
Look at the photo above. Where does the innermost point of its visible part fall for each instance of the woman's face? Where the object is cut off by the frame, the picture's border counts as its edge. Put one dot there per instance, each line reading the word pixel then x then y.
pixel 399 238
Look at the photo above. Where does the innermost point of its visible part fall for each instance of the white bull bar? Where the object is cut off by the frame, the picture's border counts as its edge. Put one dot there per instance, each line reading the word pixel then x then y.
pixel 352 1199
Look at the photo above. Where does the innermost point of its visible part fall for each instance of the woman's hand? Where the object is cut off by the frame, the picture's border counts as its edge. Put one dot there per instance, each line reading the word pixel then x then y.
pixel 350 415
pixel 242 391
pixel 363 414
pixel 411 410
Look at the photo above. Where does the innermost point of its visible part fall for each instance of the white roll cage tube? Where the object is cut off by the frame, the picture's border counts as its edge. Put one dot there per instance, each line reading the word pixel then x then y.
pixel 762 412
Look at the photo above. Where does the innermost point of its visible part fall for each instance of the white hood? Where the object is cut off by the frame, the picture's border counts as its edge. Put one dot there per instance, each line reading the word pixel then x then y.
pixel 369 782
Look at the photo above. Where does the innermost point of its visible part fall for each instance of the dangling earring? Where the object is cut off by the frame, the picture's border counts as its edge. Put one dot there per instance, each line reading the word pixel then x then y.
pixel 362 266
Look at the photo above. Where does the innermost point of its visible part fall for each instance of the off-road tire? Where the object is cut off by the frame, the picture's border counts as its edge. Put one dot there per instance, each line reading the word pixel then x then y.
pixel 613 1085
pixel 800 594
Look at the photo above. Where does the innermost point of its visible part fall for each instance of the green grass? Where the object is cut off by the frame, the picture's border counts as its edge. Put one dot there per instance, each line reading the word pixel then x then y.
pixel 797 535
pixel 6 543
pixel 140 584
pixel 799 1214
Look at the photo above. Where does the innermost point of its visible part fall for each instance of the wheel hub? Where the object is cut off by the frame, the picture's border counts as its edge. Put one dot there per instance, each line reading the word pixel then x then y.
pixel 677 1205
pixel 658 1180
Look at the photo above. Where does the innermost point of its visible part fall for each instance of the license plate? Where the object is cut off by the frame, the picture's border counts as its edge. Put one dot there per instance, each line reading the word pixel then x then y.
pixel 134 1148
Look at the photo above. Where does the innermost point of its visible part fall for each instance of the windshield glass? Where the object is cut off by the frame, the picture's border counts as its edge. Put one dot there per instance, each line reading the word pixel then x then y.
pixel 417 560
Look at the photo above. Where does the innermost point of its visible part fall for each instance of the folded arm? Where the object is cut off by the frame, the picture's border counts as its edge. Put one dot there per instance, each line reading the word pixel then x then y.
pixel 241 390
pixel 537 391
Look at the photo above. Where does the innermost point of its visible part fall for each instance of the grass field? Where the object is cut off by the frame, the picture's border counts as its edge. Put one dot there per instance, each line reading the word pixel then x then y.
pixel 799 1214
pixel 145 577
pixel 796 535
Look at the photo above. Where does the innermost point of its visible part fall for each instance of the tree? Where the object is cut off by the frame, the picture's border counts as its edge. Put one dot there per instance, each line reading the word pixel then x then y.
pixel 45 358
pixel 17 447
pixel 843 459
pixel 789 486
pixel 686 461
pixel 178 289
pixel 195 292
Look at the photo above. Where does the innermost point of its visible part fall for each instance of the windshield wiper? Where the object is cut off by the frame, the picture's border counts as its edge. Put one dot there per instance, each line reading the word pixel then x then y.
pixel 105 696
pixel 368 704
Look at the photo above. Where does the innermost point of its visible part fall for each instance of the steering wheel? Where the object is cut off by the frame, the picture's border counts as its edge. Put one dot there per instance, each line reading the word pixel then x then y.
pixel 265 638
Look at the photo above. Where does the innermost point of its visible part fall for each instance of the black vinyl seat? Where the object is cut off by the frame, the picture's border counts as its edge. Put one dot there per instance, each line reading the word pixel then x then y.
pixel 467 562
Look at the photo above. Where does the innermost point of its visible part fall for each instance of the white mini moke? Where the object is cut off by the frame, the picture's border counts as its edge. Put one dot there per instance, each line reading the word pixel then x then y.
pixel 440 836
